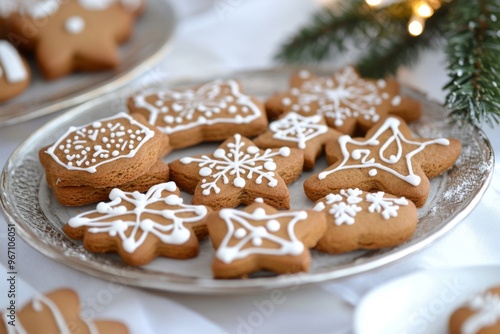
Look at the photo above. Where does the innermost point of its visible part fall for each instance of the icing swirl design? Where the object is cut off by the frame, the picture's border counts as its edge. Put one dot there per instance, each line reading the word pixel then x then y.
pixel 215 102
pixel 87 147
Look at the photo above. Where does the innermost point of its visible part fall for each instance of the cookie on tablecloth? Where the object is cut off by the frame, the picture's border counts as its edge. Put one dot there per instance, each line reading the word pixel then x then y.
pixel 15 74
pixel 389 158
pixel 105 153
pixel 308 133
pixel 141 227
pixel 260 237
pixel 76 35
pixel 210 112
pixel 479 315
pixel 238 172
pixel 56 312
pixel 348 101
pixel 363 220
pixel 83 195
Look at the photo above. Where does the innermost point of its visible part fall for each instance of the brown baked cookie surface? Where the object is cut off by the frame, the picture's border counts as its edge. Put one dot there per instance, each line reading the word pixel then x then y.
pixel 57 312
pixel 73 35
pixel 347 101
pixel 141 227
pixel 479 315
pixel 105 153
pixel 389 159
pixel 238 172
pixel 308 133
pixel 363 220
pixel 260 237
pixel 15 74
pixel 213 111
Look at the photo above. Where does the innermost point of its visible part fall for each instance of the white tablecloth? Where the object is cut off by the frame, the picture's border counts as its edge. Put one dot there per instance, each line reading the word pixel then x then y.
pixel 221 35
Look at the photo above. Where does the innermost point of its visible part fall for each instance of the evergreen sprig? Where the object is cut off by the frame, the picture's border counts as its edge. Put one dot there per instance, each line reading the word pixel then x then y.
pixel 472 36
pixel 474 65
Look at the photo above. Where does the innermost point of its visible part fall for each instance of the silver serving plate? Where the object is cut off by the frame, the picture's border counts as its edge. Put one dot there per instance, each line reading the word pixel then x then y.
pixel 29 204
pixel 147 46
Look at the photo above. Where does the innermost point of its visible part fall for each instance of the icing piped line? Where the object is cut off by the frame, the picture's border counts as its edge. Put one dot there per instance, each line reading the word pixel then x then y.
pixel 297 128
pixel 363 155
pixel 12 64
pixel 249 233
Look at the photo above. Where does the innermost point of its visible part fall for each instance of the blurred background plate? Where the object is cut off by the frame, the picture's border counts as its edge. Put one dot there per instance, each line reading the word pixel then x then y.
pixel 147 46
pixel 30 205
pixel 422 302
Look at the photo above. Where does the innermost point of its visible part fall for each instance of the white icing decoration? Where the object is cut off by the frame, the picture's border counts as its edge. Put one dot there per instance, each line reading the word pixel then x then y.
pixel 344 206
pixel 12 64
pixel 255 234
pixel 39 303
pixel 362 154
pixel 486 307
pixel 75 25
pixel 193 108
pixel 396 101
pixel 347 95
pixel 235 160
pixel 174 233
pixel 90 143
pixel 296 128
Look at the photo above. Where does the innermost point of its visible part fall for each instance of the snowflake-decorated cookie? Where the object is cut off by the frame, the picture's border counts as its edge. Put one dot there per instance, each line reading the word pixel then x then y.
pixel 260 237
pixel 387 159
pixel 105 153
pixel 363 220
pixel 211 112
pixel 15 74
pixel 141 227
pixel 347 101
pixel 56 312
pixel 238 172
pixel 73 35
pixel 308 133
pixel 480 314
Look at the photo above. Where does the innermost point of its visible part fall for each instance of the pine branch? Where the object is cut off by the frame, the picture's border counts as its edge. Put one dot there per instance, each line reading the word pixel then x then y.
pixel 398 48
pixel 474 69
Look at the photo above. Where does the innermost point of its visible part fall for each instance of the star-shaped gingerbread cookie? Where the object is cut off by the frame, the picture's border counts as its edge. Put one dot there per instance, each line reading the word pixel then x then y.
pixel 141 227
pixel 238 172
pixel 213 111
pixel 260 237
pixel 308 133
pixel 348 101
pixel 76 35
pixel 387 159
pixel 56 312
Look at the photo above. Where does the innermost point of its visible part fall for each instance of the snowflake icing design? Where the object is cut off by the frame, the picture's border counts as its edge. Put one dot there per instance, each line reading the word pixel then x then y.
pixel 344 206
pixel 344 96
pixel 362 155
pixel 175 111
pixel 487 312
pixel 253 229
pixel 296 128
pixel 110 217
pixel 237 161
pixel 87 147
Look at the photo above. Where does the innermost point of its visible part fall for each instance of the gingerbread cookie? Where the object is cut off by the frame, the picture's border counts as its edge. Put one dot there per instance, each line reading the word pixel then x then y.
pixel 388 159
pixel 238 172
pixel 56 312
pixel 347 101
pixel 105 153
pixel 480 315
pixel 15 74
pixel 73 35
pixel 141 227
pixel 308 133
pixel 211 112
pixel 260 237
pixel 362 220
pixel 83 195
